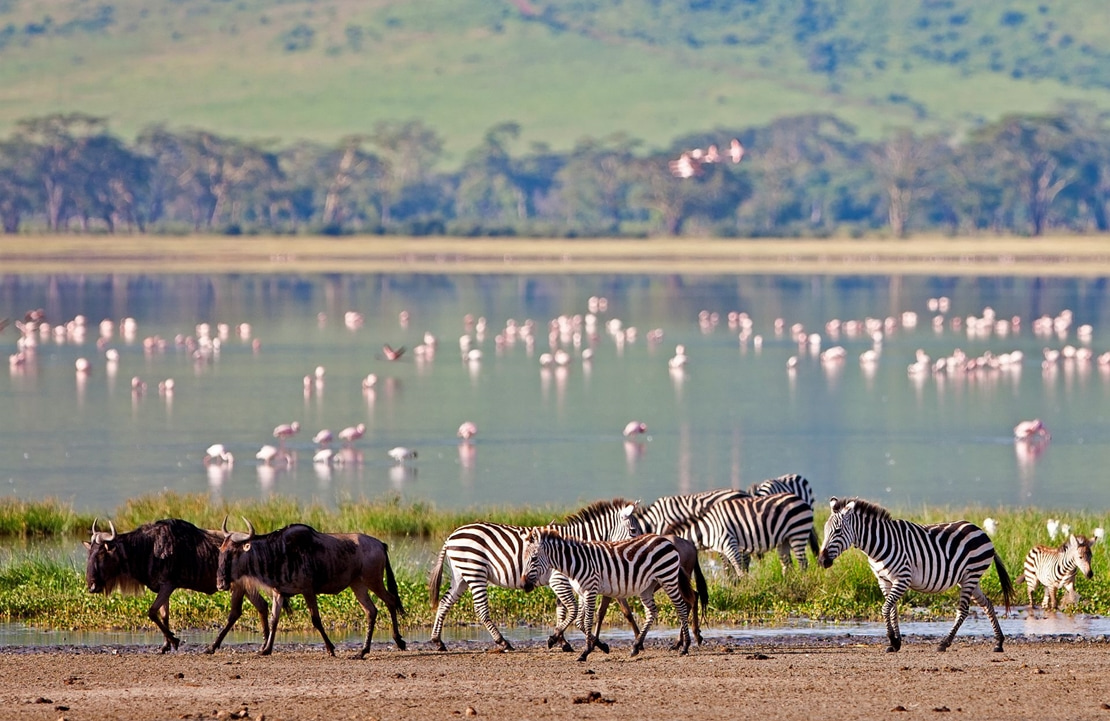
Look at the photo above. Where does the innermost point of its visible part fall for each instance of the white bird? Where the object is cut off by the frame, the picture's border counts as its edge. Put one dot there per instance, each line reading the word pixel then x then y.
pixel 467 430
pixel 268 455
pixel 634 428
pixel 217 454
pixel 1053 526
pixel 350 434
pixel 990 526
pixel 1027 430
pixel 401 454
pixel 324 457
pixel 678 360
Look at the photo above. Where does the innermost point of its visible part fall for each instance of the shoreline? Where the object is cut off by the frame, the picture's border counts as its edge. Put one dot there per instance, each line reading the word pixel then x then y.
pixel 1085 256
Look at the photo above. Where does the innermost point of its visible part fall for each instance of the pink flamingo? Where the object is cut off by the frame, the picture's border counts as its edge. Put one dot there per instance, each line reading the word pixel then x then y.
pixel 635 428
pixel 350 434
pixel 1030 430
pixel 467 430
pixel 286 430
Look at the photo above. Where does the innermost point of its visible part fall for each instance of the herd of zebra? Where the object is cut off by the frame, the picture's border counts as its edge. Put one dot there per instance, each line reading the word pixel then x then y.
pixel 613 549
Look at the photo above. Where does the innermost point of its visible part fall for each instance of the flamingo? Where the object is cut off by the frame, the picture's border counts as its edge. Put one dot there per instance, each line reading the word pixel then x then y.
pixel 286 430
pixel 467 430
pixel 218 455
pixel 1029 430
pixel 634 428
pixel 392 353
pixel 322 437
pixel 679 358
pixel 269 455
pixel 350 434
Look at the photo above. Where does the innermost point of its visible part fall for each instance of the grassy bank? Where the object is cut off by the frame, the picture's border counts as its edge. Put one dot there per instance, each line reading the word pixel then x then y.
pixel 1063 255
pixel 43 591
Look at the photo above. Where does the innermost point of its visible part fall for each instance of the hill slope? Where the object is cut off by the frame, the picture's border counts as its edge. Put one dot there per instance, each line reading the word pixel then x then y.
pixel 320 69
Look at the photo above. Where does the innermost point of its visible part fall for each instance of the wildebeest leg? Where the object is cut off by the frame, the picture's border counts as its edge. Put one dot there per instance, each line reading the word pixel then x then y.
pixel 275 614
pixel 392 603
pixel 363 599
pixel 603 609
pixel 160 613
pixel 314 612
pixel 233 615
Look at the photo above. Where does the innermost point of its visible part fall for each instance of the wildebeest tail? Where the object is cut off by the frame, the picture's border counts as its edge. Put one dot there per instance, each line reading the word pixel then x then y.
pixel 435 579
pixel 1004 579
pixel 699 581
pixel 391 580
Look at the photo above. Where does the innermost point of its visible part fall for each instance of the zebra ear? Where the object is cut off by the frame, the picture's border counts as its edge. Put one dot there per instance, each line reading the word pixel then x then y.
pixel 850 505
pixel 834 504
pixel 627 510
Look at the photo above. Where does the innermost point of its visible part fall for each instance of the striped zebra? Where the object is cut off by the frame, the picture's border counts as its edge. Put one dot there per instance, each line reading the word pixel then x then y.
pixel 1055 568
pixel 739 527
pixel 618 569
pixel 672 510
pixel 788 483
pixel 929 558
pixel 484 553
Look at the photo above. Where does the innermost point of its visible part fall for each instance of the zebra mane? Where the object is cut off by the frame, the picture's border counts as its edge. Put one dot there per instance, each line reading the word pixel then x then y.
pixel 866 508
pixel 595 509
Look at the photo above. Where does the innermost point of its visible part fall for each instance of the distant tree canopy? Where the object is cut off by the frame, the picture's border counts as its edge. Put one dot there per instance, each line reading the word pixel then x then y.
pixel 800 176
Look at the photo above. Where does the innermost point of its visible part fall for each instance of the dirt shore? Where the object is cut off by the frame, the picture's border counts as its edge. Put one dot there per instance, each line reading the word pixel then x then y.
pixel 843 678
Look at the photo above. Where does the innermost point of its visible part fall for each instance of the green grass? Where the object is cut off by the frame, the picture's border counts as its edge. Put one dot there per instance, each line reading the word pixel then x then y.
pixel 654 71
pixel 46 592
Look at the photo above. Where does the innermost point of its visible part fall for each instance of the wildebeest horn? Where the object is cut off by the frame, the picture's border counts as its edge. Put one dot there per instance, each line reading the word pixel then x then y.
pixel 224 527
pixel 250 528
pixel 112 528
pixel 95 521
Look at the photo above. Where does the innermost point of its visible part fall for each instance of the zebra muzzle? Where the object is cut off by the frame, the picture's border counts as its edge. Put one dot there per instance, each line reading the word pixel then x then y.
pixel 527 584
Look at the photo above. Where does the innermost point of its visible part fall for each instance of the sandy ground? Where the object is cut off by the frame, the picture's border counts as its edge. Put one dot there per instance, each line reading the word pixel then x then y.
pixel 843 677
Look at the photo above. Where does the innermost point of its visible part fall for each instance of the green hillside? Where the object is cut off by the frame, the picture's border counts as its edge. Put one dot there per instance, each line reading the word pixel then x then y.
pixel 321 69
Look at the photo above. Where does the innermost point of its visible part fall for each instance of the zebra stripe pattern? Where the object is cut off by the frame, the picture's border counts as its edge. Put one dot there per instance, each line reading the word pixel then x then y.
pixel 1055 568
pixel 671 511
pixel 484 553
pixel 740 527
pixel 636 567
pixel 788 483
pixel 904 555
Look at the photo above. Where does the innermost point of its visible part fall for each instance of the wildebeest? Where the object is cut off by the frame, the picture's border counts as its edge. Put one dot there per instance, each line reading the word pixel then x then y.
pixel 298 559
pixel 163 556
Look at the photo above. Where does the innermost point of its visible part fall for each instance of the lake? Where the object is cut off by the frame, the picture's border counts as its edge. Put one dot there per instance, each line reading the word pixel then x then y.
pixel 735 414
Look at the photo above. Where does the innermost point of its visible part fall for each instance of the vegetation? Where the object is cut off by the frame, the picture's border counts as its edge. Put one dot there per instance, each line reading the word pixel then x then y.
pixel 324 69
pixel 802 176
pixel 49 592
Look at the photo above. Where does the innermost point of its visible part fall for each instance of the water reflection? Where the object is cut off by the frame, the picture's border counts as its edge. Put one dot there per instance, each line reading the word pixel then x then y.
pixel 863 384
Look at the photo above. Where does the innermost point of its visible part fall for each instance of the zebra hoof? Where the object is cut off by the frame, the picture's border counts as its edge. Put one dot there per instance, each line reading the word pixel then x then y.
pixel 942 648
pixel 506 645
pixel 998 648
pixel 566 647
pixel 582 657
pixel 439 645
pixel 552 640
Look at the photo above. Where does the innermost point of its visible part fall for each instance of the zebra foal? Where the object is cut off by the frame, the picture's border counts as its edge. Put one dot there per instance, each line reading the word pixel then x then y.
pixel 620 569
pixel 904 555
pixel 1055 568
pixel 483 553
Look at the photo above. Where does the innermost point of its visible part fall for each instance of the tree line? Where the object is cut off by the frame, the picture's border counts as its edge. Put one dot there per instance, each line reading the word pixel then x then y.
pixel 808 175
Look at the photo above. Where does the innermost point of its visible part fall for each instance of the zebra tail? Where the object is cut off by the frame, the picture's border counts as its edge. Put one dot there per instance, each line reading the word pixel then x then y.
pixel 699 581
pixel 391 581
pixel 436 578
pixel 1004 579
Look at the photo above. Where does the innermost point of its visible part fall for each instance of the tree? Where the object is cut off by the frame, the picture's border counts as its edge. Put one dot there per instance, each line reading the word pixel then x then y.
pixel 57 143
pixel 595 183
pixel 902 164
pixel 408 151
pixel 20 192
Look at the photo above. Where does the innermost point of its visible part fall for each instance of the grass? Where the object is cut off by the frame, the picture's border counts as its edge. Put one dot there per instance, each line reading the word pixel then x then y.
pixel 48 592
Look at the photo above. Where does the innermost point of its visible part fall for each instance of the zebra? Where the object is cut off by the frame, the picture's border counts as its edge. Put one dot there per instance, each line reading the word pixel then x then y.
pixel 739 527
pixel 1055 568
pixel 904 555
pixel 788 483
pixel 671 510
pixel 619 569
pixel 483 553
pixel 688 555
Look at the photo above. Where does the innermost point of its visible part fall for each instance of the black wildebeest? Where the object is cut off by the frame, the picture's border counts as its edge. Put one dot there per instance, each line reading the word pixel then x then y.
pixel 298 559
pixel 163 556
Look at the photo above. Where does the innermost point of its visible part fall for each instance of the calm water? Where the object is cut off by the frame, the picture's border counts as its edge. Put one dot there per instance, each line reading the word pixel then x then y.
pixel 735 415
